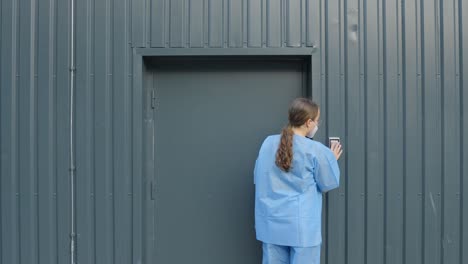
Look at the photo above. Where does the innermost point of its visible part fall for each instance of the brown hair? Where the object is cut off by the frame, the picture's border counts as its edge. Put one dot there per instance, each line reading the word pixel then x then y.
pixel 300 110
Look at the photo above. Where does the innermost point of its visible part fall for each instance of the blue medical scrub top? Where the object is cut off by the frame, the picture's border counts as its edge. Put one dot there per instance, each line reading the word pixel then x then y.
pixel 288 205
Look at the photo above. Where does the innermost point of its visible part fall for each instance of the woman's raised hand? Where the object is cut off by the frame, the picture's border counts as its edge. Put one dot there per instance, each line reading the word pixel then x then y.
pixel 336 149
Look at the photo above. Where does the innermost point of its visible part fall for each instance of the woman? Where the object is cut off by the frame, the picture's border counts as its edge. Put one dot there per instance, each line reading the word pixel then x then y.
pixel 291 173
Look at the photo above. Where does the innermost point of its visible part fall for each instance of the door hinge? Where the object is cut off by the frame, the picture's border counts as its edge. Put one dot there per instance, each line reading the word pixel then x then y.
pixel 153 99
pixel 152 190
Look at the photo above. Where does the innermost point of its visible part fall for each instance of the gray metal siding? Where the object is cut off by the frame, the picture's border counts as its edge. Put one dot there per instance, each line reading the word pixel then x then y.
pixel 103 134
pixel 388 75
pixel 223 24
pixel 390 84
pixel 463 26
pixel 34 132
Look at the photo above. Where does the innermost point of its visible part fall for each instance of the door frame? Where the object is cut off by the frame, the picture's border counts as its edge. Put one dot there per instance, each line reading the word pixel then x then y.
pixel 141 189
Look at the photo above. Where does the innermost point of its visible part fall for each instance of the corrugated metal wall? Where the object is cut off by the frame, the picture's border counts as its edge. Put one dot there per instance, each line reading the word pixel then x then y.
pixel 34 127
pixel 225 23
pixel 388 74
pixel 391 78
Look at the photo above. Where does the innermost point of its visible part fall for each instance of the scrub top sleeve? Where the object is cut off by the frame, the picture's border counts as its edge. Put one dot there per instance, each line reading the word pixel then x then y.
pixel 262 149
pixel 327 172
pixel 255 171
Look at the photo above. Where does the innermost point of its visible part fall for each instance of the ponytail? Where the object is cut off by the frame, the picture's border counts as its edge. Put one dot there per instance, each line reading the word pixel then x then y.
pixel 284 154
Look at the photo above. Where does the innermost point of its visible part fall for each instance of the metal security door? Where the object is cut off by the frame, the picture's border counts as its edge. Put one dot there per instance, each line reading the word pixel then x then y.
pixel 210 117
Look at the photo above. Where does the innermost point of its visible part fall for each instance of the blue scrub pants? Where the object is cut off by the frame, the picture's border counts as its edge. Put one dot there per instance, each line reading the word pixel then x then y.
pixel 274 254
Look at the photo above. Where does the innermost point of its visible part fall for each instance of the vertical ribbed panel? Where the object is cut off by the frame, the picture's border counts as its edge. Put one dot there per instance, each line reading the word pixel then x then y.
pixel 432 132
pixel 122 187
pixel 103 132
pixel 196 23
pixel 335 123
pixel 312 22
pixel 159 21
pixel 293 23
pixel 393 133
pixel 62 13
pixel 451 162
pixel 412 107
pixel 177 23
pixel 274 21
pixel 254 23
pixel 46 132
pixel 374 169
pixel 34 129
pixel 355 100
pixel 215 23
pixel 1 149
pixel 27 121
pixel 387 74
pixel 9 130
pixel 318 80
pixel 141 16
pixel 85 209
pixel 235 23
pixel 463 27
